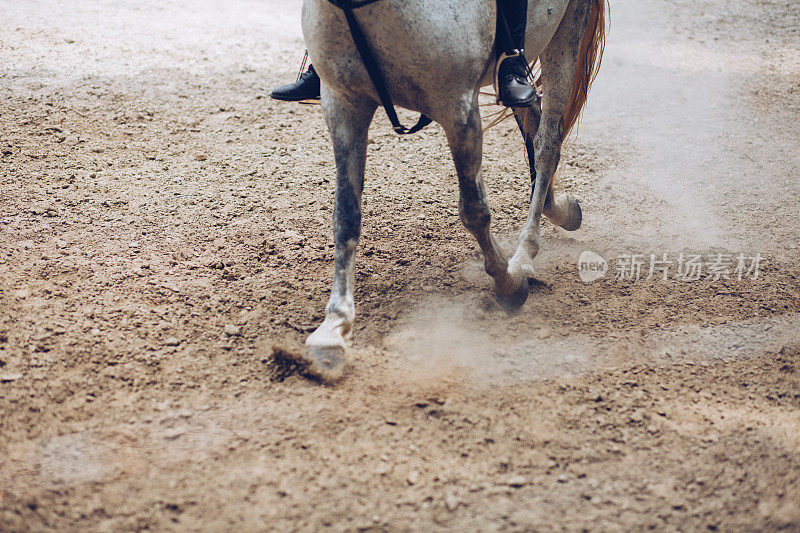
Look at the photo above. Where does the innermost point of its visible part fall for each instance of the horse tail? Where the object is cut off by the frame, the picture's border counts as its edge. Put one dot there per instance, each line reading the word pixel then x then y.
pixel 590 55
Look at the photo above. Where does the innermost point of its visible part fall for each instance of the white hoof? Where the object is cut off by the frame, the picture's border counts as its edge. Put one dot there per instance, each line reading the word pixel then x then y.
pixel 325 362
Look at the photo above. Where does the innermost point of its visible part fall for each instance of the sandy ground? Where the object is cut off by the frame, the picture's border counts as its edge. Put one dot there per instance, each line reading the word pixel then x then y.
pixel 162 222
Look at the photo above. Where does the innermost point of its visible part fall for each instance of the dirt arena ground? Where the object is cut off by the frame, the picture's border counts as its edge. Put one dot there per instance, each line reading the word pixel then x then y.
pixel 163 222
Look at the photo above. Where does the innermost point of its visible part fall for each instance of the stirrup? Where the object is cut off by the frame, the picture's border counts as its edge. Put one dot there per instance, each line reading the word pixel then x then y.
pixel 503 57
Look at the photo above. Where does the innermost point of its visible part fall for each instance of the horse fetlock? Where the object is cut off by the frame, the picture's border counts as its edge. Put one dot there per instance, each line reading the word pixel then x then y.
pixel 564 212
pixel 521 263
pixel 509 280
pixel 494 260
pixel 528 247
pixel 494 268
pixel 333 331
pixel 340 309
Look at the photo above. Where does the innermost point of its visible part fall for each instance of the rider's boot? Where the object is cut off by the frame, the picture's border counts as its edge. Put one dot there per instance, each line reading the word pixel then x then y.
pixel 511 73
pixel 305 88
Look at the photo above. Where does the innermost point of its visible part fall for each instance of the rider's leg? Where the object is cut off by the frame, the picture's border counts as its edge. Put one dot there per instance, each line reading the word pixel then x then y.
pixel 305 88
pixel 513 89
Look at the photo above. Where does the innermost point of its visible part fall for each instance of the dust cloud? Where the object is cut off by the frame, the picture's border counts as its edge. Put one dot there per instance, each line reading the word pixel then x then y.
pixel 677 107
pixel 690 152
pixel 441 339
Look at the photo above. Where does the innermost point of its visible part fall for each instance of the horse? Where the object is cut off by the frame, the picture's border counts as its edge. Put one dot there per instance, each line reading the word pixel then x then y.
pixel 435 56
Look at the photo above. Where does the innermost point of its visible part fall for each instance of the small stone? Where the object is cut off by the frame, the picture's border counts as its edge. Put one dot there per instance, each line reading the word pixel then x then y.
pixel 562 478
pixel 72 140
pixel 174 434
pixel 200 157
pixel 451 501
pixel 231 329
pixel 413 477
pixel 22 294
pixel 172 341
pixel 517 482
pixel 7 378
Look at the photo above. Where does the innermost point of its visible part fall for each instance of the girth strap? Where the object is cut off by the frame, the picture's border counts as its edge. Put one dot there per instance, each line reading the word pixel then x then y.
pixel 372 67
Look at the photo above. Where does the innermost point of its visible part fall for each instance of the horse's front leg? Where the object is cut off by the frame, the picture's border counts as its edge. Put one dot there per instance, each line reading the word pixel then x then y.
pixel 465 137
pixel 348 120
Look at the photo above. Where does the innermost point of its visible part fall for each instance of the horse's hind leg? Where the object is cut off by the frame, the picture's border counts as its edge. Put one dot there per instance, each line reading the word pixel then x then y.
pixel 465 137
pixel 562 210
pixel 559 61
pixel 348 120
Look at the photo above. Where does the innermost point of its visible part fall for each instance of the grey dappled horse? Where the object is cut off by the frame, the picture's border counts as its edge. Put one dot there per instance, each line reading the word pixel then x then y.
pixel 435 56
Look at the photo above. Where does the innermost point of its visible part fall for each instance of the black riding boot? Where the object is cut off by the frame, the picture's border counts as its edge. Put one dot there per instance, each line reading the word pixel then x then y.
pixel 511 75
pixel 305 88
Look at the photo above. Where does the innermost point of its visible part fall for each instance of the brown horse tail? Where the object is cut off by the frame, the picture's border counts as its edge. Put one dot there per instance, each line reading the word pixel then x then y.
pixel 590 54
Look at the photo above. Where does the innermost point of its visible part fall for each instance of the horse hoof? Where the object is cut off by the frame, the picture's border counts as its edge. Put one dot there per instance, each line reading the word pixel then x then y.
pixel 574 215
pixel 513 302
pixel 325 362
